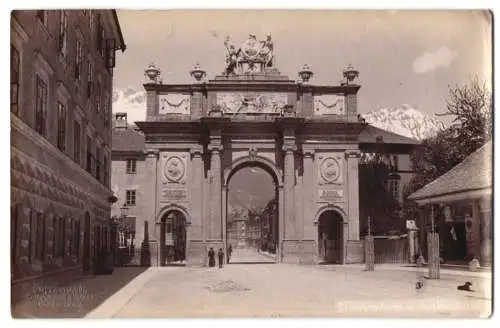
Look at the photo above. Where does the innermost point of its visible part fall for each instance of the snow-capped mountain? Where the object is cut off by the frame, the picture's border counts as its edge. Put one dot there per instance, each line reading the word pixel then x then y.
pixel 405 121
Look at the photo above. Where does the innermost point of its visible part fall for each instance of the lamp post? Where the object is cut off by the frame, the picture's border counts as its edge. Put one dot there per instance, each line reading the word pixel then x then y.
pixel 123 211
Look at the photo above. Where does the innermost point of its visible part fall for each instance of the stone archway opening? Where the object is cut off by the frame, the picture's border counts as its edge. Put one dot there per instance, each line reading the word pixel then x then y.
pixel 252 214
pixel 173 238
pixel 330 237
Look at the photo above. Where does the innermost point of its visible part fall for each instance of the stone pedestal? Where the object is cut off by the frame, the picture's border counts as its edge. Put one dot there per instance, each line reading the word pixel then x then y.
pixel 434 259
pixel 354 252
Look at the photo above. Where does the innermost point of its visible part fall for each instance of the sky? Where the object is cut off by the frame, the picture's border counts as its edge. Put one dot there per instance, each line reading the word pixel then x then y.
pixel 403 57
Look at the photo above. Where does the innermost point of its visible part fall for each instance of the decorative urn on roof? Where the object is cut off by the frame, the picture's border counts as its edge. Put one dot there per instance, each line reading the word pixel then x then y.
pixel 152 72
pixel 197 72
pixel 305 73
pixel 350 73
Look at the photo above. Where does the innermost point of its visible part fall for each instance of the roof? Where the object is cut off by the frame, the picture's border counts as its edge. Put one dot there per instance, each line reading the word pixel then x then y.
pixel 473 173
pixel 370 133
pixel 120 34
pixel 127 139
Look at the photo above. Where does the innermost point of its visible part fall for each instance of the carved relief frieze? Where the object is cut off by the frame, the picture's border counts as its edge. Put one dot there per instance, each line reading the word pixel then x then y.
pixel 251 102
pixel 174 103
pixel 329 105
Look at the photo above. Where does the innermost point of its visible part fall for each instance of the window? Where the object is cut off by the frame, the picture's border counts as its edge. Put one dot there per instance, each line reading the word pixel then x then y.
pixel 41 106
pixel 32 235
pixel 90 77
pixel 63 33
pixel 14 211
pixel 100 37
pixel 55 234
pixel 42 17
pixel 98 163
pixel 62 237
pixel 91 20
pixel 394 188
pixel 106 110
pixel 71 230
pixel 61 127
pixel 105 170
pixel 130 197
pixel 98 97
pixel 76 142
pixel 131 166
pixel 40 236
pixel 14 79
pixel 76 238
pixel 78 60
pixel 89 155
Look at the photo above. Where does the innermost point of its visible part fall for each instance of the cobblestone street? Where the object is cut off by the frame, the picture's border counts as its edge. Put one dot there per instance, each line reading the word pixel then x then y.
pixel 279 290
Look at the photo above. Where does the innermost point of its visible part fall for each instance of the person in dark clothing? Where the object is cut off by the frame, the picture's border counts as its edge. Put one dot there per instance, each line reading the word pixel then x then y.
pixel 220 254
pixel 229 252
pixel 211 258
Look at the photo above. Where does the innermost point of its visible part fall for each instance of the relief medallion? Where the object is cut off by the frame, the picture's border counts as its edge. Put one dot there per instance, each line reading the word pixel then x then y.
pixel 330 170
pixel 175 169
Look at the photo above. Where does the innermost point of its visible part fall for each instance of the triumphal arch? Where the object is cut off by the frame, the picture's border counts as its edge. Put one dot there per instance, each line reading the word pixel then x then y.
pixel 305 136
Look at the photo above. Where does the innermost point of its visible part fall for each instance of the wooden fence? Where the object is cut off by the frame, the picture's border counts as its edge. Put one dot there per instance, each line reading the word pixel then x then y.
pixel 389 250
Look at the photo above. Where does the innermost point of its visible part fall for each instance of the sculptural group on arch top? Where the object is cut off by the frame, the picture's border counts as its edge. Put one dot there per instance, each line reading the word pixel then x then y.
pixel 256 55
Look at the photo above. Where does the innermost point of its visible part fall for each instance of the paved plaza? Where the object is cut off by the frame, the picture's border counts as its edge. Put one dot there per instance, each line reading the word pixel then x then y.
pixel 280 290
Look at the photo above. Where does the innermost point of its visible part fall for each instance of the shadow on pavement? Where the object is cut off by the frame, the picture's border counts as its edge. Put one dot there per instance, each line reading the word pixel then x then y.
pixel 76 299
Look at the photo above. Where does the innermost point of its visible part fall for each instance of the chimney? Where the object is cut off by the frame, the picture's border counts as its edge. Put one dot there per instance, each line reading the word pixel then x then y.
pixel 121 120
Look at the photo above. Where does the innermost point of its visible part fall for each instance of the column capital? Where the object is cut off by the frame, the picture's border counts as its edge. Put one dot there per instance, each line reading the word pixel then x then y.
pixel 308 153
pixel 196 152
pixel 214 148
pixel 352 154
pixel 152 153
pixel 289 148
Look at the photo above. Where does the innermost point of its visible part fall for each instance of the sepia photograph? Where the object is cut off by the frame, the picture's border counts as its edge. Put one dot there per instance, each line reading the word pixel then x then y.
pixel 251 163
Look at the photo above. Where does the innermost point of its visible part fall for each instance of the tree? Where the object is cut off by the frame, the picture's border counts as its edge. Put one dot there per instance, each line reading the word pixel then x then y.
pixel 375 199
pixel 470 105
pixel 472 127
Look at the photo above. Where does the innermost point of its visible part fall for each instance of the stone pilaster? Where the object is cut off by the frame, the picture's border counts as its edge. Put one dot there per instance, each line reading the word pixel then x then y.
pixel 196 231
pixel 197 100
pixel 306 107
pixel 352 104
pixel 196 228
pixel 151 188
pixel 151 106
pixel 309 193
pixel 353 193
pixel 289 185
pixel 215 231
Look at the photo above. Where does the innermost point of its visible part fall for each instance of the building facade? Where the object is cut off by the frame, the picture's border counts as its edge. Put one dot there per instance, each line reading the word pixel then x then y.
pixel 307 137
pixel 61 85
pixel 462 207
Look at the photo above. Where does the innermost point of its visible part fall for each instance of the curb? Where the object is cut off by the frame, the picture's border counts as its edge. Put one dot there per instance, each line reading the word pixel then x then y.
pixel 119 299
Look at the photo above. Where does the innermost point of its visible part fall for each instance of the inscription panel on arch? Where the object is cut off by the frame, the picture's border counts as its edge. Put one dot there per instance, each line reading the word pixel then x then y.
pixel 174 195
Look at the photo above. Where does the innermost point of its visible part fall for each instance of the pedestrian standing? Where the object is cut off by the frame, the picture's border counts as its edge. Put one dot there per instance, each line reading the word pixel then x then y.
pixel 211 258
pixel 229 252
pixel 220 254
